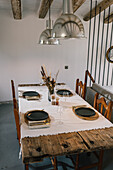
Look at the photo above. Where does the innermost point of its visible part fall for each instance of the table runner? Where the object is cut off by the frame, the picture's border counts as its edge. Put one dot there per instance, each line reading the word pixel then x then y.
pixel 63 112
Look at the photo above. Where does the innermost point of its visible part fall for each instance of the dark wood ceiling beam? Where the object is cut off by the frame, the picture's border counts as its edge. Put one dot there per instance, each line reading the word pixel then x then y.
pixel 77 4
pixel 16 8
pixel 44 8
pixel 108 19
pixel 103 5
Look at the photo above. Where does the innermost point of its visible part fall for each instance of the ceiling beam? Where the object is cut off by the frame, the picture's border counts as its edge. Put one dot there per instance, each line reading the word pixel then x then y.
pixel 16 8
pixel 103 5
pixel 108 19
pixel 77 4
pixel 44 8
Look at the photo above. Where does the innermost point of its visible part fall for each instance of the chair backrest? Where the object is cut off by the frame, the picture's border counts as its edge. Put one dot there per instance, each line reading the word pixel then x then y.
pixel 87 74
pixel 80 88
pixel 101 105
pixel 16 111
pixel 13 88
pixel 17 118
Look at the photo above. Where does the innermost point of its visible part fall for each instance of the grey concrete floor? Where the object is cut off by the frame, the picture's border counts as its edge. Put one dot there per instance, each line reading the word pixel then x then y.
pixel 9 148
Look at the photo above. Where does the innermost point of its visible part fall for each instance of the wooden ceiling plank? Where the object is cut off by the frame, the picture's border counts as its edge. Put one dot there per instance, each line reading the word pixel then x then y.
pixel 77 4
pixel 44 8
pixel 16 8
pixel 103 5
pixel 110 19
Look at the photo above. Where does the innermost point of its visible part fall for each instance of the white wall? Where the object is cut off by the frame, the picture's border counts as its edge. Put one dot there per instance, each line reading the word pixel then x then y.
pixel 21 56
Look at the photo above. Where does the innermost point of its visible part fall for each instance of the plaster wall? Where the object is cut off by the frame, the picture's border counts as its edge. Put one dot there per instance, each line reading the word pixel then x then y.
pixel 21 56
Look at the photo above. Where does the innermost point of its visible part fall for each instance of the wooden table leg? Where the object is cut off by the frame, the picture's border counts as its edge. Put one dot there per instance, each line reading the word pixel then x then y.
pixel 26 167
pixel 100 160
pixel 77 162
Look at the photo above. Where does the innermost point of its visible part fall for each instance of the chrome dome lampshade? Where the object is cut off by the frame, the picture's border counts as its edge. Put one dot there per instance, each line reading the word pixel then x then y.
pixel 47 39
pixel 68 25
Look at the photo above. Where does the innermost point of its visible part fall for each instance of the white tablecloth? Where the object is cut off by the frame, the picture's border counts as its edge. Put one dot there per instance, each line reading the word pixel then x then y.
pixel 63 120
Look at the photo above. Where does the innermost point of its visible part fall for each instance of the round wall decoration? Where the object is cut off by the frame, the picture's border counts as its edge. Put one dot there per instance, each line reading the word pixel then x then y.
pixel 109 54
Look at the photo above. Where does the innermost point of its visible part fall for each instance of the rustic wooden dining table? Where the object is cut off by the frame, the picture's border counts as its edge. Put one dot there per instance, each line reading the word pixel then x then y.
pixel 67 134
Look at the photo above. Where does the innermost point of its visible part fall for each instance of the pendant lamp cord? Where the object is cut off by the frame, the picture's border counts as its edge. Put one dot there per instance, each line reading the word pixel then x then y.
pixel 49 13
pixel 49 9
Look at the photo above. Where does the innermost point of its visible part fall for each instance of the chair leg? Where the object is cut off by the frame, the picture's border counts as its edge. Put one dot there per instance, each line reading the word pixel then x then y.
pixel 55 163
pixel 26 167
pixel 77 162
pixel 100 160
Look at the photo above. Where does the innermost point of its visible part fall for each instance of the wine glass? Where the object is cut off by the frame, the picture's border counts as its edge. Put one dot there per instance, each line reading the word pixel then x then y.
pixel 60 111
pixel 64 96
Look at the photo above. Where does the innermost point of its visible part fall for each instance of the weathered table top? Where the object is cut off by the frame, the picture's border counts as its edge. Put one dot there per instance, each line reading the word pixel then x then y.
pixel 36 148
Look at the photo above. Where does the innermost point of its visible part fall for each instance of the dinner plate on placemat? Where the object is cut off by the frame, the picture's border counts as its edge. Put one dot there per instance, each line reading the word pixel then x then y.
pixel 37 115
pixel 85 112
pixel 31 95
pixel 37 118
pixel 64 92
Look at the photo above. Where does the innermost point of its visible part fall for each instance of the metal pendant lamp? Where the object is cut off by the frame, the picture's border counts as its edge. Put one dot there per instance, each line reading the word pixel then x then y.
pixel 46 37
pixel 68 25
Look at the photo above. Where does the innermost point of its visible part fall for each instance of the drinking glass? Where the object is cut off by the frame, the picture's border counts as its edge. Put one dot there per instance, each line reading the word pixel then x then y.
pixel 65 96
pixel 60 111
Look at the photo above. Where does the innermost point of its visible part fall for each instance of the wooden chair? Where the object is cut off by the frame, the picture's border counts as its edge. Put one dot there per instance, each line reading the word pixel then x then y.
pixel 16 115
pixel 101 106
pixel 80 88
pixel 16 112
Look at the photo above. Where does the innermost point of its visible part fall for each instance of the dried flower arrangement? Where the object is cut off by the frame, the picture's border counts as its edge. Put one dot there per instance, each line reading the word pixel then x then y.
pixel 50 82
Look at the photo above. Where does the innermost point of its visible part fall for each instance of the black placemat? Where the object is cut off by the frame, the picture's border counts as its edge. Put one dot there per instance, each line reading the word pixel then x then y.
pixel 30 94
pixel 85 112
pixel 64 92
pixel 37 115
